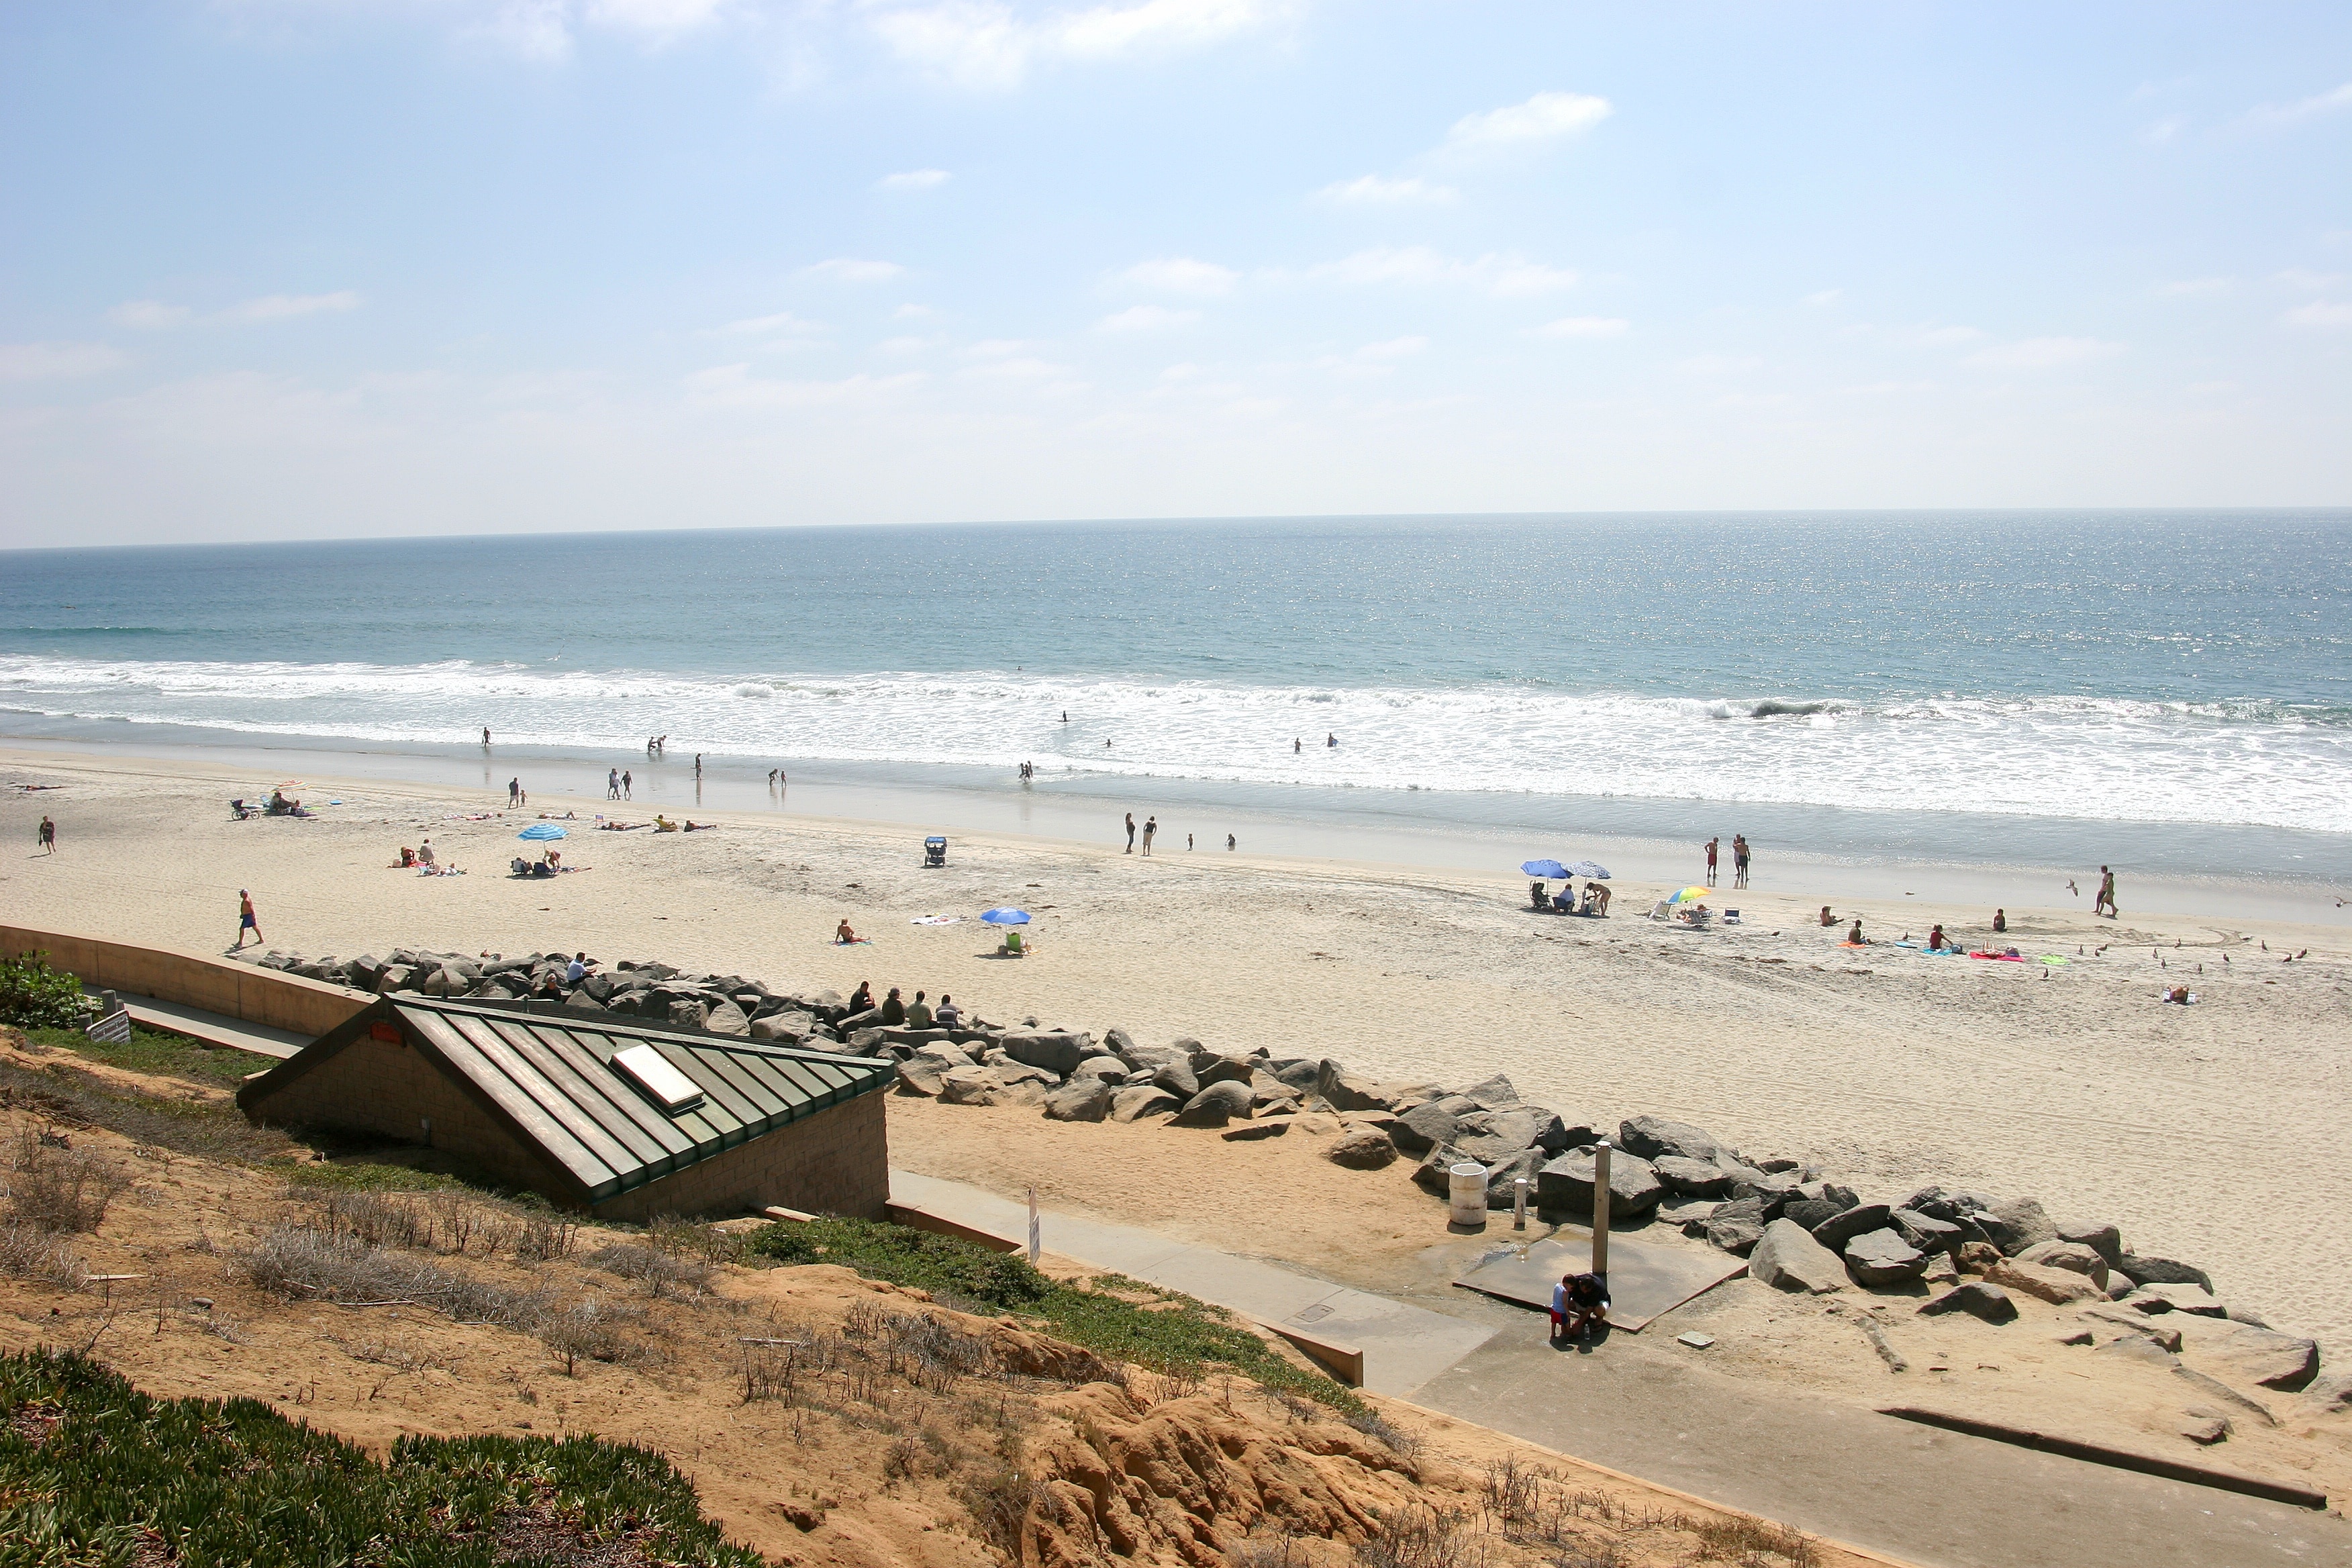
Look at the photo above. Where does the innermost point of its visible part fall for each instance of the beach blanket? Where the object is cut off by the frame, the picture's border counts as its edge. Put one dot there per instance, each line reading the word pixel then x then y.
pixel 2167 996
pixel 936 920
pixel 2054 958
pixel 2001 957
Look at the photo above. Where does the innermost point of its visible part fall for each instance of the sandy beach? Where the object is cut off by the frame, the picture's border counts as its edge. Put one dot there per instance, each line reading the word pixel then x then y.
pixel 2216 1134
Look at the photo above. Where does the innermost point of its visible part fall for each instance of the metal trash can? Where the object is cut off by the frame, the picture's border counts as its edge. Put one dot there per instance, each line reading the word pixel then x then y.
pixel 1467 1186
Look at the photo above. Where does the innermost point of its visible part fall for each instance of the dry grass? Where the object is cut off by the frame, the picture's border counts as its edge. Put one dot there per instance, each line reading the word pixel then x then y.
pixel 28 1252
pixel 54 1187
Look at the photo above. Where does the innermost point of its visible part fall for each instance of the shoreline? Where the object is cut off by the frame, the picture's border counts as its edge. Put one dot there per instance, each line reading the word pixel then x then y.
pixel 1375 836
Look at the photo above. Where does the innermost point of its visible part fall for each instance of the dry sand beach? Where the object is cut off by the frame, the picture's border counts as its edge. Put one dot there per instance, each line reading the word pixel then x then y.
pixel 2217 1133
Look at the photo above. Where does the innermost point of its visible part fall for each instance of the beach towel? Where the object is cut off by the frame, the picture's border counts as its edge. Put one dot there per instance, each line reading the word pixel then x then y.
pixel 2054 958
pixel 2001 957
pixel 936 920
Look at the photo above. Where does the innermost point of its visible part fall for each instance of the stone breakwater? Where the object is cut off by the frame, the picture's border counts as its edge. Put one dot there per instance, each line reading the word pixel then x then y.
pixel 1799 1227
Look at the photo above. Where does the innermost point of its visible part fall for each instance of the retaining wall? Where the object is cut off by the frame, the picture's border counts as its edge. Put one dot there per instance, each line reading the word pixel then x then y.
pixel 214 984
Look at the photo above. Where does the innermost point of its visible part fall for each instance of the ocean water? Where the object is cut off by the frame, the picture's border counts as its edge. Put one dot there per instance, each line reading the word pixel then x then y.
pixel 2174 671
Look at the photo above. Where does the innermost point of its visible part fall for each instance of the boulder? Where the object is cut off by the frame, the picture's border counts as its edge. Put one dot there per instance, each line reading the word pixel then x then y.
pixel 1435 1170
pixel 1831 1193
pixel 790 1027
pixel 1349 1090
pixel 1082 1100
pixel 2069 1254
pixel 923 1072
pixel 1056 1053
pixel 2191 1299
pixel 1940 1272
pixel 1927 1233
pixel 364 970
pixel 971 1086
pixel 1494 1094
pixel 2056 1286
pixel 1257 1131
pixel 1881 1259
pixel 1788 1258
pixel 1653 1136
pixel 1943 1204
pixel 1737 1233
pixel 1502 1178
pixel 1118 1042
pixel 1267 1090
pixel 2202 1425
pixel 582 1002
pixel 1808 1212
pixel 1176 1079
pixel 443 981
pixel 1491 1137
pixel 726 1018
pixel 1977 1298
pixel 1566 1183
pixel 1013 1074
pixel 2016 1225
pixel 393 977
pixel 1138 1100
pixel 1299 1075
pixel 1687 1215
pixel 1774 1187
pixel 2329 1395
pixel 1861 1220
pixel 1215 1106
pixel 1108 1070
pixel 2159 1271
pixel 2240 1354
pixel 1366 1149
pixel 1428 1124
pixel 687 1014
pixel 1209 1066
pixel 1689 1178
pixel 2104 1240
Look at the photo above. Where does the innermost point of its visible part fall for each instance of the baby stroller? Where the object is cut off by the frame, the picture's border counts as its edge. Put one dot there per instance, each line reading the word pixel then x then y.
pixel 935 851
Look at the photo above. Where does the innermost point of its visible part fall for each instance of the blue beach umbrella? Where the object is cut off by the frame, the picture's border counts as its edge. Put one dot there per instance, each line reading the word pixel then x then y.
pixel 1550 870
pixel 1007 917
pixel 1588 869
pixel 539 830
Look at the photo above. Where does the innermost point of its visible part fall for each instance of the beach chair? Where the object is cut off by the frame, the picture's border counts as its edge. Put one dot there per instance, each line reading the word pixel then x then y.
pixel 1661 910
pixel 1013 946
pixel 1731 917
pixel 935 851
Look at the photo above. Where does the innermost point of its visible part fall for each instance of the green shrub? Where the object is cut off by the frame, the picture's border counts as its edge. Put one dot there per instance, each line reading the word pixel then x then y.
pixel 34 995
pixel 1164 1330
pixel 94 1472
pixel 360 1177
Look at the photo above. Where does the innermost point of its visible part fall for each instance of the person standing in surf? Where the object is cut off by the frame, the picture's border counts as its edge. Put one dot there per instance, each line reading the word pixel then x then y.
pixel 1150 832
pixel 2106 902
pixel 1739 859
pixel 1130 833
pixel 1710 860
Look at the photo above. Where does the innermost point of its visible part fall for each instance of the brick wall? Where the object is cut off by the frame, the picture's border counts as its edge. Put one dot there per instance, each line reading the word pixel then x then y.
pixel 836 1162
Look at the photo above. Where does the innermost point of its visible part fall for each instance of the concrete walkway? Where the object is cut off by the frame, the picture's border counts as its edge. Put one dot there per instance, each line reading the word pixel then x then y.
pixel 1404 1346
pixel 1911 1492
pixel 213 1029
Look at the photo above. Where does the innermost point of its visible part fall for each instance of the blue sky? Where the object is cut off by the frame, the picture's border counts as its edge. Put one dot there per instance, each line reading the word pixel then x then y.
pixel 326 268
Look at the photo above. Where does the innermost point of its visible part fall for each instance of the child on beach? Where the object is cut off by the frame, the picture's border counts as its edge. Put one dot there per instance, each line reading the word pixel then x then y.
pixel 1578 1301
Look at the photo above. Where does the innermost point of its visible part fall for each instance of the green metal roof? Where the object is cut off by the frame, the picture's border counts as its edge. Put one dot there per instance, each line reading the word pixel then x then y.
pixel 549 1075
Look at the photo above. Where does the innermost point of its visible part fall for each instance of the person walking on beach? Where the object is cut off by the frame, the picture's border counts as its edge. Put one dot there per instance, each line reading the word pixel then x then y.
pixel 246 920
pixel 2106 902
pixel 1296 745
pixel 1130 833
pixel 514 790
pixel 625 784
pixel 1229 841
pixel 1150 831
pixel 1187 841
pixel 486 737
pixel 1710 860
pixel 1739 859
pixel 697 764
pixel 612 783
pixel 49 836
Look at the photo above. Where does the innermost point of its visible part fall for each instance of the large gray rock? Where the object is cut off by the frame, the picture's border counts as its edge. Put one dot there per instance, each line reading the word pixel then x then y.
pixel 443 981
pixel 1977 1298
pixel 1929 1233
pixel 2194 1300
pixel 1082 1100
pixel 1299 1075
pixel 1494 1094
pixel 1566 1184
pixel 1492 1137
pixel 1737 1226
pixel 1138 1100
pixel 1502 1179
pixel 1861 1220
pixel 1211 1066
pixel 1950 1207
pixel 1653 1136
pixel 2327 1396
pixel 2240 1354
pixel 1429 1123
pixel 1176 1079
pixel 1058 1053
pixel 1808 1212
pixel 581 1001
pixel 1216 1105
pixel 2068 1254
pixel 1347 1090
pixel 1788 1258
pixel 2099 1236
pixel 971 1086
pixel 1690 1178
pixel 1107 1070
pixel 1013 1074
pixel 1881 1259
pixel 2059 1286
pixel 727 1019
pixel 393 977
pixel 2159 1271
pixel 925 1071
pixel 1365 1149
pixel 2016 1225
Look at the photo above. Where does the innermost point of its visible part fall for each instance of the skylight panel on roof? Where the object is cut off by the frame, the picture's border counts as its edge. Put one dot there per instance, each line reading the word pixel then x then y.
pixel 662 1083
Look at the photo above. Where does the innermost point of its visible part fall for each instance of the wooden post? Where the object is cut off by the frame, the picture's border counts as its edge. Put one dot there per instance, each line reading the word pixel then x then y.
pixel 1601 1209
pixel 1034 1237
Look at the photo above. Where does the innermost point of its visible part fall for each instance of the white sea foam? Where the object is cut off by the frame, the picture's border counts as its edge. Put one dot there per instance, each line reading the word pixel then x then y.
pixel 2249 764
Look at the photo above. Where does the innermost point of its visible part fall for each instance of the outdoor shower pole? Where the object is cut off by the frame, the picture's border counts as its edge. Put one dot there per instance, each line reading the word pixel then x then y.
pixel 1600 1208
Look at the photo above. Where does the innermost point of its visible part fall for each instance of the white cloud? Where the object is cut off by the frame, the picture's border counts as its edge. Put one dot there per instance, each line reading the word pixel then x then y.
pixel 545 30
pixel 2044 353
pixel 2190 288
pixel 1372 190
pixel 661 17
pixel 2303 278
pixel 1583 327
pixel 987 42
pixel 2319 314
pixel 734 387
pixel 1181 274
pixel 2332 103
pixel 783 323
pixel 147 315
pixel 913 180
pixel 1543 118
pixel 286 307
pixel 1506 275
pixel 1147 319
pixel 908 345
pixel 2164 131
pixel 849 270
pixel 1821 298
pixel 44 362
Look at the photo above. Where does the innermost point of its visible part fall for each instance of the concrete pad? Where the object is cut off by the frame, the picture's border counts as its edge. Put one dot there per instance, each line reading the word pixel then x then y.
pixel 1403 1346
pixel 213 1029
pixel 1644 1282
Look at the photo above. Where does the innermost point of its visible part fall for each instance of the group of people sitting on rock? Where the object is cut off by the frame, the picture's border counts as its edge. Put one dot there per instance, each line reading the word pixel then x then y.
pixel 897 1013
